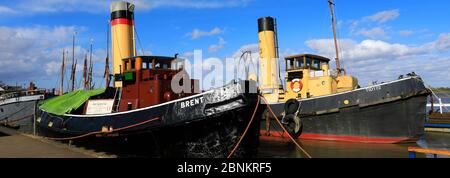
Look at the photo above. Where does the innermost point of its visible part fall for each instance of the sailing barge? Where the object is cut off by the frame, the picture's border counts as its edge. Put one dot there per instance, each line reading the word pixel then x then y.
pixel 18 107
pixel 317 103
pixel 186 124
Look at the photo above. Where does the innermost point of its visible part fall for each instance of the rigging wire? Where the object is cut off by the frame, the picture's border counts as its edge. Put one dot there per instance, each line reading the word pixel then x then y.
pixel 139 40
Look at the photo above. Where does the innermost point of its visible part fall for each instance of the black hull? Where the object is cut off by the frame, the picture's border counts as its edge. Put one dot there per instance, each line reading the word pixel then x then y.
pixel 208 127
pixel 395 112
pixel 20 113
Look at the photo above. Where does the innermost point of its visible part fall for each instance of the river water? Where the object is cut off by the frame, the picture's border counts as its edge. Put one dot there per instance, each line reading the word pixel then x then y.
pixel 284 148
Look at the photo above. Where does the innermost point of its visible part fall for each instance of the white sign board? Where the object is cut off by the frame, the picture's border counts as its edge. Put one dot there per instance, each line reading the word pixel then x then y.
pixel 99 107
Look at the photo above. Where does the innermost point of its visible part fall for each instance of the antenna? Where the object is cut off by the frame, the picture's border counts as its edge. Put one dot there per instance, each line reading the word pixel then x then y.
pixel 338 64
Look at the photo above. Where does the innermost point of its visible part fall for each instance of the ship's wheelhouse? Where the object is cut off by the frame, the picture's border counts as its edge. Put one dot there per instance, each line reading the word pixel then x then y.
pixel 306 61
pixel 296 65
pixel 147 81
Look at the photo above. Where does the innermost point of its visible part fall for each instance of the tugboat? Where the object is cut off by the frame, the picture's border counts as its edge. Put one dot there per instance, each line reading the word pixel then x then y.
pixel 185 124
pixel 18 106
pixel 320 104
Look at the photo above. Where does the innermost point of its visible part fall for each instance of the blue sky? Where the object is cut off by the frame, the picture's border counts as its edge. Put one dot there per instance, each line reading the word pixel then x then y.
pixel 380 40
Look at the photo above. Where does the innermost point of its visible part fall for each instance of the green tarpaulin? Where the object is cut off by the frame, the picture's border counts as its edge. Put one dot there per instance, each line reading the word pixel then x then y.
pixel 69 102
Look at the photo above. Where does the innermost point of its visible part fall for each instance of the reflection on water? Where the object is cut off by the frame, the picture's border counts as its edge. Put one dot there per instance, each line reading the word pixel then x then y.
pixel 283 148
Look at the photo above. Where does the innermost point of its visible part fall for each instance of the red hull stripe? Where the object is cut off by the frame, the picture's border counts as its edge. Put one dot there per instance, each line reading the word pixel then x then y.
pixel 122 21
pixel 358 139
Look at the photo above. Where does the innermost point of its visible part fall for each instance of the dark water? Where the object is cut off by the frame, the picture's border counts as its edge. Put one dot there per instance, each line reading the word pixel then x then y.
pixel 284 148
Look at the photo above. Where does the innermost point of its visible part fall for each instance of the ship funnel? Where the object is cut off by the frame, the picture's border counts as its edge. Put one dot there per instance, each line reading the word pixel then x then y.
pixel 268 56
pixel 123 39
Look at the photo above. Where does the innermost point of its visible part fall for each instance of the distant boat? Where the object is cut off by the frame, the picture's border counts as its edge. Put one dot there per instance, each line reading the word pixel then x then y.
pixel 18 107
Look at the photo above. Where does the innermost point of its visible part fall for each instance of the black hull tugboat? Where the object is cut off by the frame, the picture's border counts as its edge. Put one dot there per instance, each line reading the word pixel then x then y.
pixel 392 112
pixel 184 124
pixel 317 103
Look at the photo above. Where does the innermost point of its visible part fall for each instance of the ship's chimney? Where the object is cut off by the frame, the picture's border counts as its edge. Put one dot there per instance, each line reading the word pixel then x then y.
pixel 122 31
pixel 268 56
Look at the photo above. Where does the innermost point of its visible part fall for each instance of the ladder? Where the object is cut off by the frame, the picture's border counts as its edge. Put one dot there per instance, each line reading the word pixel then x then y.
pixel 117 97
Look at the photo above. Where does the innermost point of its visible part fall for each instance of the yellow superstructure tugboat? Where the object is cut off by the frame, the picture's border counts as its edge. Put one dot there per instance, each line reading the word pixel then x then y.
pixel 318 103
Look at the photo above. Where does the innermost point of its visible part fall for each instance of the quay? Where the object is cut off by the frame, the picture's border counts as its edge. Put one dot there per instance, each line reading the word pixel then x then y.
pixel 414 150
pixel 17 145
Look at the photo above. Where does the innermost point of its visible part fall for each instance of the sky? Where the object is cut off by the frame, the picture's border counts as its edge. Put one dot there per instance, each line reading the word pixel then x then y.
pixel 379 40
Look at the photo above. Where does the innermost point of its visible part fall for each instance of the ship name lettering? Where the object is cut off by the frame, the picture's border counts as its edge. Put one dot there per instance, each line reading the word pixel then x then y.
pixel 191 103
pixel 373 88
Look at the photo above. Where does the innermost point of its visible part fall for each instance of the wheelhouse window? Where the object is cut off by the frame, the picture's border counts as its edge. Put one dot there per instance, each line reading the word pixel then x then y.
pixel 144 65
pixel 133 64
pixel 299 63
pixel 316 64
pixel 127 65
pixel 308 62
pixel 290 64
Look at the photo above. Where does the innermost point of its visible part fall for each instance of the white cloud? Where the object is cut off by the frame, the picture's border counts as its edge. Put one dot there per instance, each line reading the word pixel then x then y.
pixel 6 10
pixel 196 33
pixel 443 42
pixel 383 16
pixel 365 26
pixel 101 6
pixel 217 47
pixel 187 55
pixel 373 33
pixel 371 60
pixel 198 4
pixel 35 53
pixel 406 32
pixel 253 48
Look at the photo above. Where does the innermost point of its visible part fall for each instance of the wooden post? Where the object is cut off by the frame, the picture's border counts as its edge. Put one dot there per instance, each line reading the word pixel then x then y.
pixel 34 118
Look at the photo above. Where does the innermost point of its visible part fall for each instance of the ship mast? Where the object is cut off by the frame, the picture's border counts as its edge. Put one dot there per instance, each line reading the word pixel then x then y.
pixel 90 68
pixel 85 74
pixel 106 75
pixel 338 64
pixel 72 74
pixel 63 67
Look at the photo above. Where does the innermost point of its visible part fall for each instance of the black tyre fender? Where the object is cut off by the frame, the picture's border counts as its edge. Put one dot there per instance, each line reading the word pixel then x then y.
pixel 291 106
pixel 294 125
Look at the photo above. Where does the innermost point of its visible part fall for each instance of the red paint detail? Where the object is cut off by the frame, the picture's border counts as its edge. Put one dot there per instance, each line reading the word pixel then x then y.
pixel 358 139
pixel 122 21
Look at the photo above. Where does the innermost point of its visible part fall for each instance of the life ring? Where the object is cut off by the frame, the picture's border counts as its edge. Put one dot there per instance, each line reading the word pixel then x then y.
pixel 296 90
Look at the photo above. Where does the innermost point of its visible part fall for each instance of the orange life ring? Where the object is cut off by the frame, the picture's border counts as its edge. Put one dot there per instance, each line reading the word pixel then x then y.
pixel 299 88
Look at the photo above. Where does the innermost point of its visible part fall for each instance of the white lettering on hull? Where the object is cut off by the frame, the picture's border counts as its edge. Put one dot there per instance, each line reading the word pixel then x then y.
pixel 191 103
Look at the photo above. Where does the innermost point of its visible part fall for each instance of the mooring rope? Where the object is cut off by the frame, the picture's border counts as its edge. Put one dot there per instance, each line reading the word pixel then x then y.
pixel 17 120
pixel 284 129
pixel 101 132
pixel 246 129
